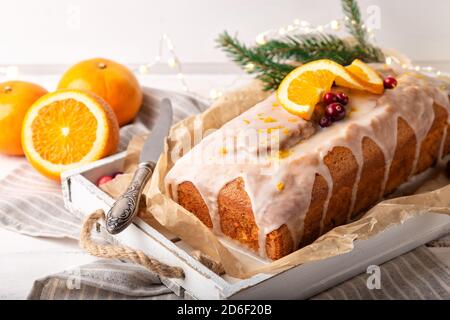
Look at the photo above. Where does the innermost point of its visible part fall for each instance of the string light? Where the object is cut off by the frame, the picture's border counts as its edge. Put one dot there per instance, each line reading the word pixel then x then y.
pixel 215 93
pixel 261 39
pixel 304 23
pixel 12 72
pixel 389 60
pixel 297 26
pixel 172 62
pixel 143 69
pixel 335 25
pixel 249 67
pixel 394 61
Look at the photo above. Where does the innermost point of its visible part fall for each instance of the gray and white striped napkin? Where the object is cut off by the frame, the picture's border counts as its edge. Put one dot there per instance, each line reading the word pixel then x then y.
pixel 418 274
pixel 32 205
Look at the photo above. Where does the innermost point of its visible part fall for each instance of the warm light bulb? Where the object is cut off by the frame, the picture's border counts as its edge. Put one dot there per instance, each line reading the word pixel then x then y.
pixel 172 62
pixel 388 61
pixel 304 23
pixel 335 25
pixel 249 67
pixel 261 39
pixel 214 93
pixel 143 69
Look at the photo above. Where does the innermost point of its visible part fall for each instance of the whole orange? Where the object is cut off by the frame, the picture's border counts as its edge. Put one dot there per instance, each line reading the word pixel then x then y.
pixel 15 99
pixel 113 82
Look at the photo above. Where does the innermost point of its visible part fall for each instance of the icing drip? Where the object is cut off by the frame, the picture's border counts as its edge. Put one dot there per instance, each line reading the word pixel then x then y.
pixel 279 167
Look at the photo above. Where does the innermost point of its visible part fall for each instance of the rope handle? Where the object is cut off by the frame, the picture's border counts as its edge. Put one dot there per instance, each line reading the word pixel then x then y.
pixel 122 252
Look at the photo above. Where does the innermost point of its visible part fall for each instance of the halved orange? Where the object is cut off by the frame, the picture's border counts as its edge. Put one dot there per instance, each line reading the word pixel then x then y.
pixel 67 128
pixel 370 79
pixel 303 87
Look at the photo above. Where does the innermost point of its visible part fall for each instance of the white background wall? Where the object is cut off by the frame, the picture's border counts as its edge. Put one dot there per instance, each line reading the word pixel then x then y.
pixel 61 31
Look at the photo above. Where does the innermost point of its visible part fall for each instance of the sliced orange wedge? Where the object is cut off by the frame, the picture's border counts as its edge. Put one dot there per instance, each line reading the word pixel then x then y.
pixel 369 78
pixel 303 88
pixel 68 128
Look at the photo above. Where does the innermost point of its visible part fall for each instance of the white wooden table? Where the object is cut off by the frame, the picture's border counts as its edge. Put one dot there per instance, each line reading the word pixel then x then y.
pixel 24 259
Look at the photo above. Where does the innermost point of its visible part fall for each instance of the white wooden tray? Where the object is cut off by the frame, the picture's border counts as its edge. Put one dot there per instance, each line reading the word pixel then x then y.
pixel 82 197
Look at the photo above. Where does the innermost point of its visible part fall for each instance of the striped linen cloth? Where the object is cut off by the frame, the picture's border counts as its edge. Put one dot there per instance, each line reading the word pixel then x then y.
pixel 93 281
pixel 418 274
pixel 33 205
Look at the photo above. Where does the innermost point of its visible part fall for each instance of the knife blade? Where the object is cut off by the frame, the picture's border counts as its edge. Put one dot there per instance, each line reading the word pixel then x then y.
pixel 126 207
pixel 154 145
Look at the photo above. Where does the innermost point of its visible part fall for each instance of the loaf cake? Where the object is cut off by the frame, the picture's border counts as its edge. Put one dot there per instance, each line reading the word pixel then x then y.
pixel 295 181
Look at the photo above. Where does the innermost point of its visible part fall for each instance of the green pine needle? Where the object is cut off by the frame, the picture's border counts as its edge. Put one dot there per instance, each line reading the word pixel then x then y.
pixel 272 61
pixel 355 27
pixel 306 48
pixel 263 65
pixel 353 21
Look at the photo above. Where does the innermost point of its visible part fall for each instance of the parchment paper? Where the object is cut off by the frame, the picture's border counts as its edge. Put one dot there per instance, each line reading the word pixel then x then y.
pixel 163 213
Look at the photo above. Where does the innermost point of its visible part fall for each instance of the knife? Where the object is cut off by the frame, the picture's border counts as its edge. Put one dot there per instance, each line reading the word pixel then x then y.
pixel 127 205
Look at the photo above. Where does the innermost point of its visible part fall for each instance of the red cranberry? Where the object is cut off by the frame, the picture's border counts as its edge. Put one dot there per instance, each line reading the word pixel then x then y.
pixel 447 171
pixel 116 174
pixel 390 82
pixel 342 98
pixel 103 180
pixel 329 97
pixel 325 122
pixel 335 111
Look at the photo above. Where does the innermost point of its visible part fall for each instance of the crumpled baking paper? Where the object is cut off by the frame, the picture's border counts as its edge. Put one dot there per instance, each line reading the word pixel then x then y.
pixel 166 215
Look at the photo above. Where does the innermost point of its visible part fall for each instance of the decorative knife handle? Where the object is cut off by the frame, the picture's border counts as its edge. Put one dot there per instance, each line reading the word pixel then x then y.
pixel 127 206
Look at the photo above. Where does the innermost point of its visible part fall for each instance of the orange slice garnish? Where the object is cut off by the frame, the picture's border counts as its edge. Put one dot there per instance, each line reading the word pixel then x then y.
pixel 68 128
pixel 303 88
pixel 367 76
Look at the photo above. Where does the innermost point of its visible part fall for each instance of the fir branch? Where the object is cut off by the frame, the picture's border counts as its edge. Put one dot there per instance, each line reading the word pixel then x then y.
pixel 355 27
pixel 306 48
pixel 263 65
pixel 272 61
pixel 353 21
